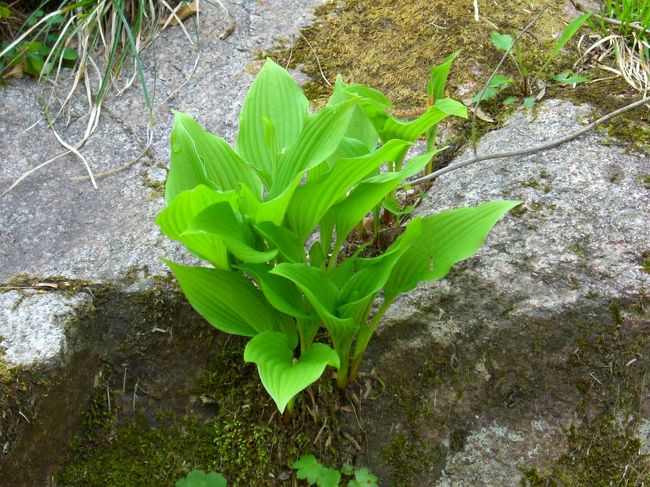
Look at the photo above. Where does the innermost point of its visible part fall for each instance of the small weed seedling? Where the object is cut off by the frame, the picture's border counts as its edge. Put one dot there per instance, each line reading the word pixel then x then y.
pixel 528 77
pixel 314 473
pixel 250 213
pixel 198 478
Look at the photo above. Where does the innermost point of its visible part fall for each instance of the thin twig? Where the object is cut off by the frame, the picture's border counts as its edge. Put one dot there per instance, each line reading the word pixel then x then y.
pixel 487 84
pixel 532 150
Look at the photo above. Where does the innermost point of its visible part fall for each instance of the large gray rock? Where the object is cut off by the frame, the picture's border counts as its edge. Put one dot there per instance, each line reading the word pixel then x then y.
pixel 53 226
pixel 492 362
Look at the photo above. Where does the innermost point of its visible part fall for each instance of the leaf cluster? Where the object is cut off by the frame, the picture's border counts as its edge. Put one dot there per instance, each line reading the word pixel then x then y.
pixel 311 470
pixel 529 78
pixel 272 215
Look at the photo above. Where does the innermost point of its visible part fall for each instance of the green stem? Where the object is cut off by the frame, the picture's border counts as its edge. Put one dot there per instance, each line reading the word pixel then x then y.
pixel 342 373
pixel 335 255
pixel 365 333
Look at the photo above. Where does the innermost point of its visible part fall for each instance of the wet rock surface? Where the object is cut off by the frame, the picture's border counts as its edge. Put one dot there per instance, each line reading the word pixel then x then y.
pixel 487 370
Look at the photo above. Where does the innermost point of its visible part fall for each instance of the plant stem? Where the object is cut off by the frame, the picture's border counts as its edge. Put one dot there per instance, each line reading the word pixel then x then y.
pixel 342 377
pixel 288 411
pixel 365 333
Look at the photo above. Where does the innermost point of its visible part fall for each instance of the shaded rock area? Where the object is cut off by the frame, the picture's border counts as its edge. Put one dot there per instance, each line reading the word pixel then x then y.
pixel 534 351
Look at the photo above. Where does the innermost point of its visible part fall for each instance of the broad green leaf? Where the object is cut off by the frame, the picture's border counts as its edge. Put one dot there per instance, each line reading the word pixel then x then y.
pixel 369 114
pixel 176 218
pixel 274 209
pixel 273 96
pixel 446 238
pixel 392 205
pixel 438 78
pixel 186 169
pixel 308 468
pixel 223 166
pixel 288 244
pixel 280 291
pixel 321 293
pixel 220 221
pixel 367 195
pixel 410 131
pixel 318 140
pixel 198 478
pixel 281 375
pixel 566 36
pixel 502 42
pixel 228 301
pixel 312 200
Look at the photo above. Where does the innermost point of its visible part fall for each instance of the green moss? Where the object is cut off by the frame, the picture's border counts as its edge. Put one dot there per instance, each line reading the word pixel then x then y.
pixel 408 456
pixel 645 179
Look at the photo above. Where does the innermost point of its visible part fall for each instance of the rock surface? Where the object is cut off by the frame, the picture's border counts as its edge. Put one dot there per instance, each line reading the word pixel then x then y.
pixel 497 358
pixel 32 325
pixel 53 226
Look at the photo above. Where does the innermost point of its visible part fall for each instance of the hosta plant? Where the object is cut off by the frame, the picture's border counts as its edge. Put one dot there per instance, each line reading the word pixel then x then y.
pixel 271 216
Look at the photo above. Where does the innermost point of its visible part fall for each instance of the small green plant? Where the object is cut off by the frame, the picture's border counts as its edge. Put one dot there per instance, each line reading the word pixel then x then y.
pixel 633 17
pixel 250 213
pixel 311 470
pixel 198 478
pixel 528 77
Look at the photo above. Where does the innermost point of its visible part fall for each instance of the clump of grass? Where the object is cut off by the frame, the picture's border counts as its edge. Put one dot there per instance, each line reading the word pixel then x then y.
pixel 99 40
pixel 621 44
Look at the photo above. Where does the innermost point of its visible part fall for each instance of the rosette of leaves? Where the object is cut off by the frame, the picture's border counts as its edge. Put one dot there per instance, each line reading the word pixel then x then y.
pixel 249 213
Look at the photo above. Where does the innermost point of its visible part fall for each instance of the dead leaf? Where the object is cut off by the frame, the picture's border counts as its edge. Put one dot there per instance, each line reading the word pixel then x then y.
pixel 227 32
pixel 182 13
pixel 15 72
pixel 542 90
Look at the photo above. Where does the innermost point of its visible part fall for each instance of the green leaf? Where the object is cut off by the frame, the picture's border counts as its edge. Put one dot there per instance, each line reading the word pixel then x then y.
pixel 273 96
pixel 312 200
pixel 511 100
pixel 438 78
pixel 529 102
pixel 279 291
pixel 365 478
pixel 5 13
pixel 568 78
pixel 502 42
pixel 198 478
pixel 392 205
pixel 176 218
pixel 410 131
pixel 322 294
pixel 308 468
pixel 318 140
pixel 328 478
pixel 281 376
pixel 186 169
pixel 289 245
pixel 220 221
pixel 446 238
pixel 566 36
pixel 223 166
pixel 367 195
pixel 497 84
pixel 228 301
